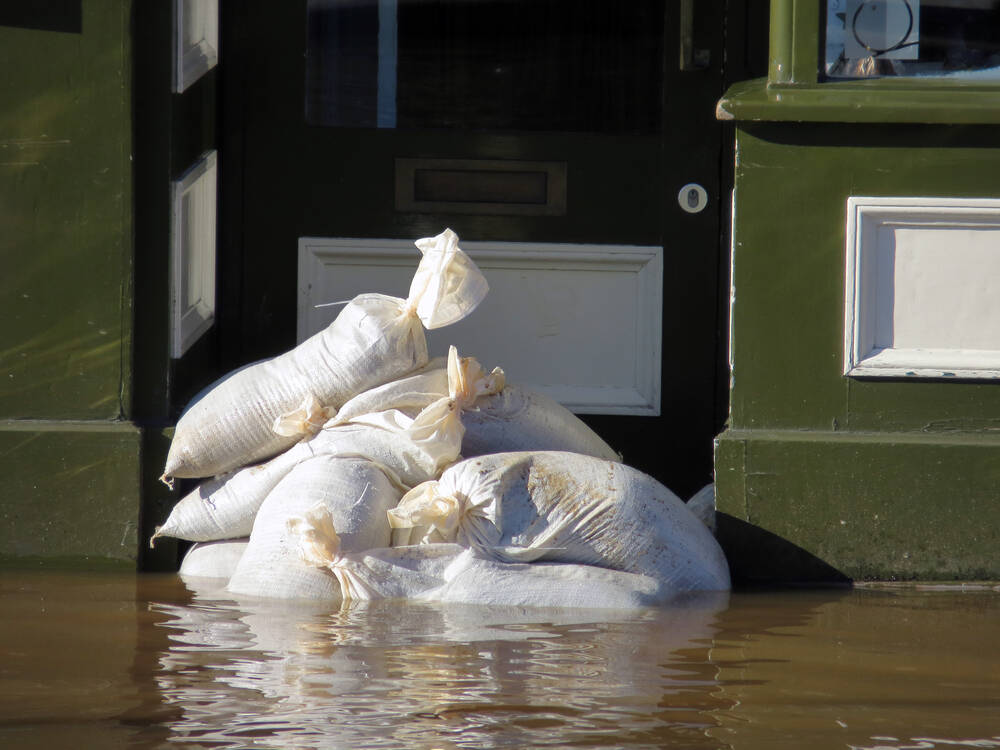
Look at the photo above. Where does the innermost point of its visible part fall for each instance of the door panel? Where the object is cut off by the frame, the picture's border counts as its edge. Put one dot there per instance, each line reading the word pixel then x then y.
pixel 563 97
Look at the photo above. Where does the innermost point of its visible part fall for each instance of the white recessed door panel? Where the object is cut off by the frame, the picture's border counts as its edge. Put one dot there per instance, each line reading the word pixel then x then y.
pixel 581 323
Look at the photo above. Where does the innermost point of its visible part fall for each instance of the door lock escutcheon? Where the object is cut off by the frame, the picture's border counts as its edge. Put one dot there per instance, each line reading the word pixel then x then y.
pixel 692 198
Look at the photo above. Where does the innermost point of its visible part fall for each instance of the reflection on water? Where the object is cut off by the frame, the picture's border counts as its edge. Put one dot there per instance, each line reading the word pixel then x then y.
pixel 393 674
pixel 108 661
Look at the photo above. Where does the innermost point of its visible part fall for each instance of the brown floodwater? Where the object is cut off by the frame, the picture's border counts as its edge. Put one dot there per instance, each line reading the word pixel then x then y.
pixel 113 660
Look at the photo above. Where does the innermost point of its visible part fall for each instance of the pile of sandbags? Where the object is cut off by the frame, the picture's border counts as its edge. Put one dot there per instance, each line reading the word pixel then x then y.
pixel 353 468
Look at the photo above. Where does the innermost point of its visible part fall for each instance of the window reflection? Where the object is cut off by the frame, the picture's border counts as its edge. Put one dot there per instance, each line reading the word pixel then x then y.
pixel 944 38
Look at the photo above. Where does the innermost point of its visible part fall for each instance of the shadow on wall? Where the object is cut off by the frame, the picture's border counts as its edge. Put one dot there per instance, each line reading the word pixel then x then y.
pixel 758 557
pixel 44 15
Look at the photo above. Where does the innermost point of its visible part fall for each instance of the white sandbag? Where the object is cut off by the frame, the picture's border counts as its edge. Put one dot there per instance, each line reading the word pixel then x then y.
pixel 212 559
pixel 410 394
pixel 355 492
pixel 415 449
pixel 451 573
pixel 702 504
pixel 514 418
pixel 378 573
pixel 409 450
pixel 373 340
pixel 521 419
pixel 567 507
pixel 225 507
pixel 471 579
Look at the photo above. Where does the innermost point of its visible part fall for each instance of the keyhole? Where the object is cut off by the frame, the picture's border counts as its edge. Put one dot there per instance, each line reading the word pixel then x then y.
pixel 692 198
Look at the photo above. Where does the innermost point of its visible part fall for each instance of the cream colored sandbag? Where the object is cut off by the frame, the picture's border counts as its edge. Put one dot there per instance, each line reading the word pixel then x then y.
pixel 472 579
pixel 355 492
pixel 514 418
pixel 373 340
pixel 212 559
pixel 521 419
pixel 410 450
pixel 410 394
pixel 225 507
pixel 377 573
pixel 451 573
pixel 567 507
pixel 414 449
pixel 702 504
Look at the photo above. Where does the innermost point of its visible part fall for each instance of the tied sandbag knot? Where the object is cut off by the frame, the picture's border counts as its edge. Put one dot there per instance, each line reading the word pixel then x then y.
pixel 319 545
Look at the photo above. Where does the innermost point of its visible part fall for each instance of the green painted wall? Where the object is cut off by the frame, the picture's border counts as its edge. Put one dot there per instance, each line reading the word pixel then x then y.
pixel 823 476
pixel 69 459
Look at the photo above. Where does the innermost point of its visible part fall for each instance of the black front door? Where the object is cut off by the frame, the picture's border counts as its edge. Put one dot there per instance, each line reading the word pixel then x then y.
pixel 545 121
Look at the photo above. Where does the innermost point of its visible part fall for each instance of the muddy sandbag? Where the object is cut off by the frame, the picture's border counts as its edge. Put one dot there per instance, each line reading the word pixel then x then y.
pixel 570 508
pixel 212 559
pixel 355 493
pixel 451 573
pixel 262 409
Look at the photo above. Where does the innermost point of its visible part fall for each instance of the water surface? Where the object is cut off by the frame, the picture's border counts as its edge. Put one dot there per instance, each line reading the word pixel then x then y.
pixel 109 660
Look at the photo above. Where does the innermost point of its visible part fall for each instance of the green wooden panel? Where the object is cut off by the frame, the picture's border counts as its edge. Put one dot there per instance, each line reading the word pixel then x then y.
pixel 71 493
pixel 65 209
pixel 887 507
pixel 904 100
pixel 792 185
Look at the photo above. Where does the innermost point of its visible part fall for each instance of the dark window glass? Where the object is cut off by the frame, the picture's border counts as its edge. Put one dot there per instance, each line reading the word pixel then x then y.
pixel 535 65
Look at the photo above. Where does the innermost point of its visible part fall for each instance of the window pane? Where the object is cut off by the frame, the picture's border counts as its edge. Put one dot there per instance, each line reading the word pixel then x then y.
pixel 537 65
pixel 942 38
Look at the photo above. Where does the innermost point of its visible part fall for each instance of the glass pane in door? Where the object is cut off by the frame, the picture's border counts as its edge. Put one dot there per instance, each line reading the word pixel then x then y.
pixel 512 65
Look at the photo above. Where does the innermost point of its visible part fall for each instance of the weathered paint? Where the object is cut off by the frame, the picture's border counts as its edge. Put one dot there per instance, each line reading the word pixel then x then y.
pixel 902 100
pixel 792 185
pixel 823 476
pixel 69 461
pixel 65 209
pixel 829 507
pixel 70 492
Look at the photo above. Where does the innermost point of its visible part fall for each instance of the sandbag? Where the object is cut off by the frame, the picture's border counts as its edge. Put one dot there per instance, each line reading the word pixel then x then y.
pixel 472 579
pixel 570 508
pixel 374 339
pixel 409 394
pixel 356 494
pixel 451 573
pixel 702 504
pixel 415 449
pixel 513 418
pixel 521 419
pixel 410 450
pixel 212 559
pixel 225 507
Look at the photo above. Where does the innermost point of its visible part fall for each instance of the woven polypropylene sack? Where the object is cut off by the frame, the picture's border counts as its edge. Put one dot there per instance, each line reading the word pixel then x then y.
pixel 566 507
pixel 354 491
pixel 374 339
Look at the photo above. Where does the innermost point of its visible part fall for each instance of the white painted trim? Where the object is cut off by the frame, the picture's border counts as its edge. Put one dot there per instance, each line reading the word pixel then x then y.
pixel 639 267
pixel 196 41
pixel 864 354
pixel 192 250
